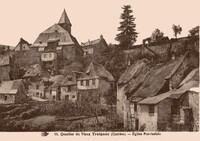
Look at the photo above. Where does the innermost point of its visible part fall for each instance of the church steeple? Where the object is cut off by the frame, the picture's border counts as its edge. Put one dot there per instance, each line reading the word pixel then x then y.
pixel 65 22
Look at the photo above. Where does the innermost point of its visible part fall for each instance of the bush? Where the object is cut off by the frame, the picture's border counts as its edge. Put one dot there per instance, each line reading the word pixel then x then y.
pixel 24 115
pixel 30 113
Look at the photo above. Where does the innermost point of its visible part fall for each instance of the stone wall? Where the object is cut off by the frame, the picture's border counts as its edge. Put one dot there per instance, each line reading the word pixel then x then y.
pixel 164 114
pixel 27 57
pixel 150 121
pixel 96 95
pixel 4 71
pixel 7 99
pixel 194 104
pixel 174 46
pixel 190 62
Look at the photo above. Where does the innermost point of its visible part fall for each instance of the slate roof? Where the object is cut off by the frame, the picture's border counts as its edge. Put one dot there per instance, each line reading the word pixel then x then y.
pixel 96 71
pixel 132 71
pixel 64 81
pixel 55 78
pixel 177 65
pixel 22 41
pixel 53 32
pixel 33 70
pixel 171 94
pixel 64 18
pixel 93 42
pixel 10 87
pixel 154 81
pixel 193 75
pixel 189 82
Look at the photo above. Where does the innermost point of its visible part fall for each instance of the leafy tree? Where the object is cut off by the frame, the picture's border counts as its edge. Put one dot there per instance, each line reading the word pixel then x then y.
pixel 156 35
pixel 194 31
pixel 128 34
pixel 115 63
pixel 177 30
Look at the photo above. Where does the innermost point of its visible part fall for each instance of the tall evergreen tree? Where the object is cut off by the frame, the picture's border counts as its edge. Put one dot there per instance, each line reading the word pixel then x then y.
pixel 128 34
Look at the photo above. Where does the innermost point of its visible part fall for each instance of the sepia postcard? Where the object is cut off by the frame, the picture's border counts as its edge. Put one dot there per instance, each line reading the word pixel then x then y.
pixel 117 69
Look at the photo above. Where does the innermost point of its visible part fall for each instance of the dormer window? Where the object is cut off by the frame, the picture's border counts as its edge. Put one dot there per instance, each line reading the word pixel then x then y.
pixel 81 82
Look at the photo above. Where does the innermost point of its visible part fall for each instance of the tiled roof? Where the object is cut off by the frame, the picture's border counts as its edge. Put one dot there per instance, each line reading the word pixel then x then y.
pixel 10 87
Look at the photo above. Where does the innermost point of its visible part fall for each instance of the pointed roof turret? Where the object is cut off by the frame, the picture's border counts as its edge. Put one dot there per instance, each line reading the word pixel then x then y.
pixel 64 18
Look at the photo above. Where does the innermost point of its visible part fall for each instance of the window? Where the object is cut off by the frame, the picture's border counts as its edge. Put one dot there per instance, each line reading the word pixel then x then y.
pixel 81 82
pixel 37 87
pixel 93 82
pixel 151 109
pixel 70 79
pixel 5 97
pixel 73 96
pixel 69 88
pixel 66 97
pixel 37 93
pixel 44 55
pixel 49 55
pixel 135 107
pixel 87 82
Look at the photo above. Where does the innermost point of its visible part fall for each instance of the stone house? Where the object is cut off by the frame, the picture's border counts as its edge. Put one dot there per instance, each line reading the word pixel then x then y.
pixel 57 44
pixel 24 56
pixel 66 87
pixel 174 110
pixel 53 87
pixel 95 84
pixel 34 82
pixel 8 68
pixel 94 47
pixel 12 92
pixel 144 79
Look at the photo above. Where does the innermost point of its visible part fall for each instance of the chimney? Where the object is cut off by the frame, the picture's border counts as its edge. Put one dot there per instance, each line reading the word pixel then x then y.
pixel 89 42
pixel 101 36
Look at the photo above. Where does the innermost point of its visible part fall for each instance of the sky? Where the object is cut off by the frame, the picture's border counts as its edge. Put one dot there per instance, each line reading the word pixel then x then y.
pixel 91 18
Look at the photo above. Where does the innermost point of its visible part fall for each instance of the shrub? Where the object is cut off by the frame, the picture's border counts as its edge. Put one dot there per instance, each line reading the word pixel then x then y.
pixel 24 115
pixel 30 113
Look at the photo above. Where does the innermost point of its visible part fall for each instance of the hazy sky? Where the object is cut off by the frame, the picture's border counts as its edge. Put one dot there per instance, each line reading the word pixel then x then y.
pixel 90 18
